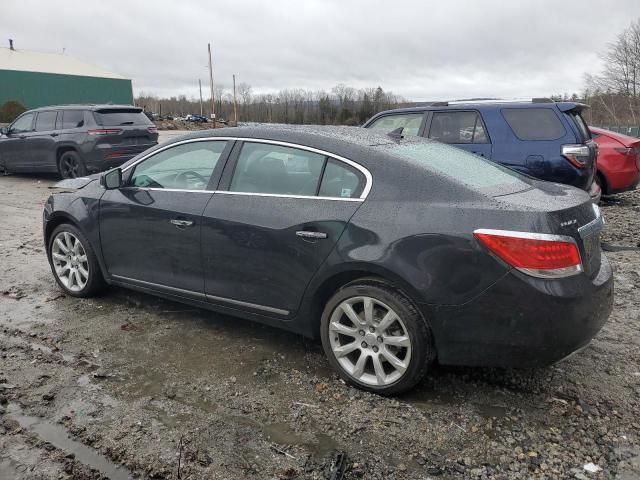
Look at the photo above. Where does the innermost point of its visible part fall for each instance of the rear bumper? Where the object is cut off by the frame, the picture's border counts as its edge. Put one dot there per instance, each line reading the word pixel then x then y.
pixel 524 322
pixel 105 157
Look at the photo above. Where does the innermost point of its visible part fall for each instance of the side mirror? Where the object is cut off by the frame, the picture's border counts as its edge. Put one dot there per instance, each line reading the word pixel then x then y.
pixel 112 179
pixel 4 131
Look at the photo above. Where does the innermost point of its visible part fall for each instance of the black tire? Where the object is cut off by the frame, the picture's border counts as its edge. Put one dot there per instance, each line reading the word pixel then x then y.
pixel 70 165
pixel 95 281
pixel 422 348
pixel 602 183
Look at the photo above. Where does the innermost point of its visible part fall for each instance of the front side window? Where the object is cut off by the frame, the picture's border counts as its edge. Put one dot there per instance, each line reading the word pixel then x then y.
pixel 72 119
pixel 267 168
pixel 46 121
pixel 534 123
pixel 185 167
pixel 457 128
pixel 410 123
pixel 23 124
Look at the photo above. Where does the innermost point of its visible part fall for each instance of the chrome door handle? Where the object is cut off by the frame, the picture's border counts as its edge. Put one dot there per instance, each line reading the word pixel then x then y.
pixel 181 223
pixel 310 234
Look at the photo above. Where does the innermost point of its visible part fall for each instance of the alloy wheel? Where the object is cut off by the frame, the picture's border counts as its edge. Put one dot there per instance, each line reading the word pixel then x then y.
pixel 370 341
pixel 70 261
pixel 70 166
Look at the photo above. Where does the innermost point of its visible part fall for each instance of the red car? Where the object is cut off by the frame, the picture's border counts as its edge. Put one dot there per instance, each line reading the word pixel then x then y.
pixel 618 161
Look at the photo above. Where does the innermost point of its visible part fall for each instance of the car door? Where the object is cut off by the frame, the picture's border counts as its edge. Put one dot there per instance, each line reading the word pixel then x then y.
pixel 461 128
pixel 280 210
pixel 42 143
pixel 150 227
pixel 14 149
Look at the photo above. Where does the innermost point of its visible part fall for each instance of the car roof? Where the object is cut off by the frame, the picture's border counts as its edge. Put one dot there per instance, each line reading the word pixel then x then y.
pixel 92 107
pixel 486 105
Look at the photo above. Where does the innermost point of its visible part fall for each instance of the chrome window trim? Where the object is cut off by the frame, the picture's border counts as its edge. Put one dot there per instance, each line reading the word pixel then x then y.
pixel 279 195
pixel 357 166
pixel 133 187
pixel 200 295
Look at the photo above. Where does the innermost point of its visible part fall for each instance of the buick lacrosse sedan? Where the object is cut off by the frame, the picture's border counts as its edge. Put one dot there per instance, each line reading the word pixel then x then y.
pixel 396 252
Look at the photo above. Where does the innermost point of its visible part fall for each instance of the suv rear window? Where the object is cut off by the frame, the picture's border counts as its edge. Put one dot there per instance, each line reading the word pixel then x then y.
pixel 534 123
pixel 121 116
pixel 582 125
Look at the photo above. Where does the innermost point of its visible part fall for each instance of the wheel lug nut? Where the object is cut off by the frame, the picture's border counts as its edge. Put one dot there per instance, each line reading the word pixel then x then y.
pixel 371 329
pixel 379 339
pixel 375 349
pixel 361 333
pixel 364 345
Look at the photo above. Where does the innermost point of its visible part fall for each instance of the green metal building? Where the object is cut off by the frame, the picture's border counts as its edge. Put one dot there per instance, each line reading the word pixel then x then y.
pixel 38 79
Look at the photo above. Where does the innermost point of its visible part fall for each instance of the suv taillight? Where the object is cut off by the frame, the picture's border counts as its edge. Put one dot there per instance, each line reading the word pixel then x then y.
pixel 576 154
pixel 105 131
pixel 538 255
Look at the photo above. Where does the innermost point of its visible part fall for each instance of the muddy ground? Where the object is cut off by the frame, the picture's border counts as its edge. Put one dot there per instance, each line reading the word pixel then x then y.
pixel 127 385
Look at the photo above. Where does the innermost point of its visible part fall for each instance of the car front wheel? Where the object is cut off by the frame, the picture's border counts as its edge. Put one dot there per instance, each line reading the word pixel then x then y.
pixel 73 263
pixel 375 338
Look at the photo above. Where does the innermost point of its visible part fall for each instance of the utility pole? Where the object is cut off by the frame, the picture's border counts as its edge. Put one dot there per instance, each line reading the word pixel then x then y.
pixel 201 110
pixel 235 105
pixel 213 103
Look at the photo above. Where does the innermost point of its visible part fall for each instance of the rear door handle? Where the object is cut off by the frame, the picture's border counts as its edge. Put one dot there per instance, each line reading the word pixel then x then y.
pixel 310 234
pixel 181 223
pixel 54 134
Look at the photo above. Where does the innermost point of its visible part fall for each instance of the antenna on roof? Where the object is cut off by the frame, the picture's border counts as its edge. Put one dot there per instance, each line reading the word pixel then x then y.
pixel 11 44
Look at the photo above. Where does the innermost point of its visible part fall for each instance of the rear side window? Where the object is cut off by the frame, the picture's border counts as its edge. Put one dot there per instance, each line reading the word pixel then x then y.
pixel 410 122
pixel 46 121
pixel 266 168
pixel 120 116
pixel 457 128
pixel 72 119
pixel 341 180
pixel 534 123
pixel 582 125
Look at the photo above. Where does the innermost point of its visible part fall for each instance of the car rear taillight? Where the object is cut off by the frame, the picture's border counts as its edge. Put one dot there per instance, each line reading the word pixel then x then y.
pixel 105 131
pixel 152 129
pixel 536 254
pixel 576 154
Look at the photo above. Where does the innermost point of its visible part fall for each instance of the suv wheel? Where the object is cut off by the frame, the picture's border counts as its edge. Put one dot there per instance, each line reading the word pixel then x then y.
pixel 375 338
pixel 71 165
pixel 73 263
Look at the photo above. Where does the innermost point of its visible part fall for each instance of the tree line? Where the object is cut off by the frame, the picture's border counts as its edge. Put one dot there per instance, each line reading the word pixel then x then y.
pixel 342 105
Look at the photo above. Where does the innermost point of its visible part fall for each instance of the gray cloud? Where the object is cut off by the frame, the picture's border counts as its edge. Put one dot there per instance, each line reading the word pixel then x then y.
pixel 421 50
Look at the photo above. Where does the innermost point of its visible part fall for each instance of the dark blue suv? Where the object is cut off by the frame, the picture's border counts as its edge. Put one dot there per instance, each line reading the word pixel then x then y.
pixel 541 138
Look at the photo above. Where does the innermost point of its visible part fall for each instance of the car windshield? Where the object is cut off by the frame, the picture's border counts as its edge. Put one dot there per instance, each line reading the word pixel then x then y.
pixel 472 170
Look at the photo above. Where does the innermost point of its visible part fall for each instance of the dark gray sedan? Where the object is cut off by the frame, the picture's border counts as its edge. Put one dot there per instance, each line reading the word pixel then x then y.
pixel 396 252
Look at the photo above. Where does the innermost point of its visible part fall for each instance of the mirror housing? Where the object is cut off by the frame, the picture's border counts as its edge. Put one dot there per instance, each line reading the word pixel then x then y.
pixel 4 131
pixel 112 179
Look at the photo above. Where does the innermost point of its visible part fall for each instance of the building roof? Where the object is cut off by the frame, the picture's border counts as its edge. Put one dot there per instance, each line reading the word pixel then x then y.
pixel 30 61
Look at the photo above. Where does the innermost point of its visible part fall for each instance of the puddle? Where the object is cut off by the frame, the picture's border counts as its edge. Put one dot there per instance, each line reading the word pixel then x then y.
pixel 490 411
pixel 282 434
pixel 57 436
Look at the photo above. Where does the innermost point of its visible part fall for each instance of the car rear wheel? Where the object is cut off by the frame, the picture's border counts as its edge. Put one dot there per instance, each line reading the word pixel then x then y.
pixel 73 262
pixel 375 338
pixel 71 165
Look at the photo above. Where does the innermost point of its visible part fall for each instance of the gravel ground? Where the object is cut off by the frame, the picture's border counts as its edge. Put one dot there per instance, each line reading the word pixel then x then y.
pixel 127 385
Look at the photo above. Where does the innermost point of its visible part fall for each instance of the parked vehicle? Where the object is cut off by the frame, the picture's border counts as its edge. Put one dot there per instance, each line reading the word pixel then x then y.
pixel 545 139
pixel 196 118
pixel 395 252
pixel 74 140
pixel 618 161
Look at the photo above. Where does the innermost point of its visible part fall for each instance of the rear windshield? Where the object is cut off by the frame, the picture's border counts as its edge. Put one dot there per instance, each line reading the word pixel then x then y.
pixel 121 116
pixel 534 123
pixel 582 125
pixel 472 170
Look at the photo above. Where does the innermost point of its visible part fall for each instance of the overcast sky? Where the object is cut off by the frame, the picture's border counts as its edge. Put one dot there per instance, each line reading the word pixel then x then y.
pixel 422 50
